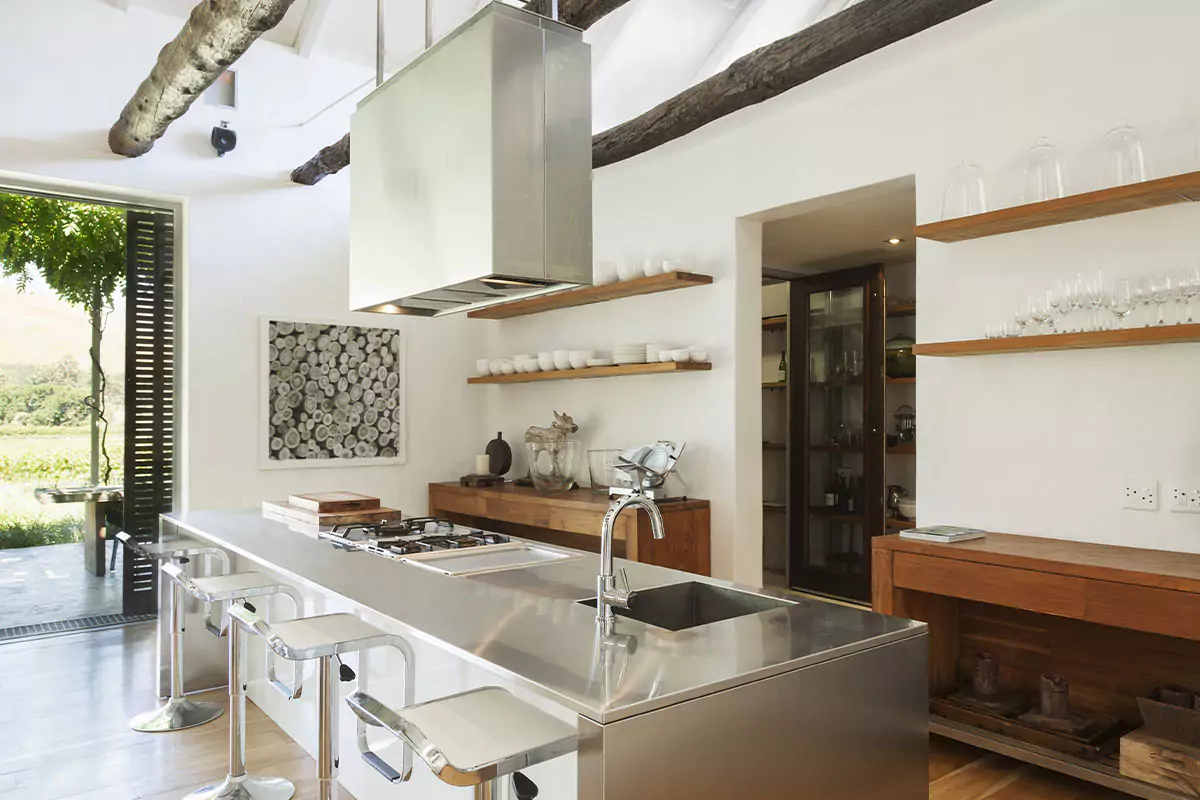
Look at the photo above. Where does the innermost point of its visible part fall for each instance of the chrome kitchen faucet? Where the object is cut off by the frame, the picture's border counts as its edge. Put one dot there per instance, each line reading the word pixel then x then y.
pixel 607 593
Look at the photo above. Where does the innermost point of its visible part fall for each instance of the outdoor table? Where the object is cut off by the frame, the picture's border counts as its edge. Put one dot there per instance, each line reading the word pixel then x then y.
pixel 95 501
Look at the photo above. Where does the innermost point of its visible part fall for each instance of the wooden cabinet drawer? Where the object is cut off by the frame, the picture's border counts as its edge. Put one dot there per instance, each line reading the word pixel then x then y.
pixel 1062 595
pixel 1144 608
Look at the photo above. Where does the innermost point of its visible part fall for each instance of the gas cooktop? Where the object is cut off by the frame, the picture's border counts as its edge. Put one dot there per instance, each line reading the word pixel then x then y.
pixel 406 537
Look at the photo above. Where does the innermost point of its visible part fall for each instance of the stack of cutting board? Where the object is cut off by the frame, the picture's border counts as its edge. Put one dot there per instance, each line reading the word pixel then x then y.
pixel 326 509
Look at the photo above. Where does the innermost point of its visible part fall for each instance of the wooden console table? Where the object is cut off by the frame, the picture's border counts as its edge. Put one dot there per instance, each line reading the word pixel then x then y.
pixel 1115 621
pixel 574 519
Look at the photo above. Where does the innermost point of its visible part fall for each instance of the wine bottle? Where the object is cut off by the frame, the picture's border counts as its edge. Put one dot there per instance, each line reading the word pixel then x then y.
pixel 831 493
pixel 783 365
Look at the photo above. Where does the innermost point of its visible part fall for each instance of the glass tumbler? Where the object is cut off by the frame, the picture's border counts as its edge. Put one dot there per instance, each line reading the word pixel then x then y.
pixel 965 194
pixel 602 470
pixel 1043 173
pixel 1123 161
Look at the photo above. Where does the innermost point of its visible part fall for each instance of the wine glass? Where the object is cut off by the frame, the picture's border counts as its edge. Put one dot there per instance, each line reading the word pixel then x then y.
pixel 1021 316
pixel 1040 311
pixel 1059 301
pixel 1078 298
pixel 1094 299
pixel 965 194
pixel 1162 289
pixel 1144 295
pixel 1189 290
pixel 1043 173
pixel 1121 301
pixel 1123 161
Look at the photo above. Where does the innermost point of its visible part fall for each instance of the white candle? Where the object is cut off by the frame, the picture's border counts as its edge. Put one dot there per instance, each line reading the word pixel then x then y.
pixel 483 465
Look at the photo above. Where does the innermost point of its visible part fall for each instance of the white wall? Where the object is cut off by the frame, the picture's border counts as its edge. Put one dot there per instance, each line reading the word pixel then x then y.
pixel 1033 444
pixel 255 243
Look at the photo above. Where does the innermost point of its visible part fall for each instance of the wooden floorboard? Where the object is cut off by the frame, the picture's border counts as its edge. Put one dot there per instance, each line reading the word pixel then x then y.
pixel 65 703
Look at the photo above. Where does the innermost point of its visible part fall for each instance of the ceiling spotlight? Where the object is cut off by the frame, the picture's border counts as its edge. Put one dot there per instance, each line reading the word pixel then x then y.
pixel 894 240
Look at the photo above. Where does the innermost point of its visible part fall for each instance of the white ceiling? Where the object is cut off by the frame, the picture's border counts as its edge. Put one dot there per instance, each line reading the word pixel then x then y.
pixel 642 54
pixel 850 229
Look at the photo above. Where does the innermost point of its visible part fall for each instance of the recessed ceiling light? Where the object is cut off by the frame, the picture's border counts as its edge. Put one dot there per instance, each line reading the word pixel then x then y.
pixel 894 240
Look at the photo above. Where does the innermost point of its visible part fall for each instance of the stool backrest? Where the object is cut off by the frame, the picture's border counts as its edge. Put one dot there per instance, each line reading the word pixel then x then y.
pixel 133 544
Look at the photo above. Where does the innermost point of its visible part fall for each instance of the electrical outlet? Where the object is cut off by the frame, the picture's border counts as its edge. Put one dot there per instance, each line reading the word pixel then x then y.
pixel 1140 496
pixel 1185 501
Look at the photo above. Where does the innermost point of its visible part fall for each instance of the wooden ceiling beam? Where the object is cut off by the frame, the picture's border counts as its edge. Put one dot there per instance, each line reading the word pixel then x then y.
pixel 215 35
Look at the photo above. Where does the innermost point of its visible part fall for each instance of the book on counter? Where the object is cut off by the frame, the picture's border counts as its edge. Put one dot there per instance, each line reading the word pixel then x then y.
pixel 946 534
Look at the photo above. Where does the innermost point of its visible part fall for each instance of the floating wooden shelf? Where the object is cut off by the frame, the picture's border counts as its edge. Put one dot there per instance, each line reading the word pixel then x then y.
pixel 775 323
pixel 769 506
pixel 1130 337
pixel 902 450
pixel 570 298
pixel 1090 205
pixel 901 381
pixel 902 310
pixel 775 385
pixel 594 372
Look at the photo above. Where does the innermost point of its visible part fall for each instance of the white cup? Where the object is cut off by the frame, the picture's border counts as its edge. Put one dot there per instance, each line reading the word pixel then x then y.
pixel 604 273
pixel 562 359
pixel 495 366
pixel 579 358
pixel 545 362
pixel 483 367
pixel 507 366
pixel 628 269
pixel 652 267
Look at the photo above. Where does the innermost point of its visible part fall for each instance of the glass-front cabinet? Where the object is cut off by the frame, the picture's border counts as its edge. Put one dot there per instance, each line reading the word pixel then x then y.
pixel 836 502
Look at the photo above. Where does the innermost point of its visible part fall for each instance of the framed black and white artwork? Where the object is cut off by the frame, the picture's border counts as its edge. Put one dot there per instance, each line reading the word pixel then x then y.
pixel 332 396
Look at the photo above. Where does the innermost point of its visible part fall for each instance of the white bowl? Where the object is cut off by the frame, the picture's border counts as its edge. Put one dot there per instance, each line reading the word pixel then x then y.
pixel 908 508
pixel 507 367
pixel 600 362
pixel 698 355
pixel 673 266
pixel 604 272
pixel 680 356
pixel 531 365
pixel 628 269
pixel 483 367
pixel 654 351
pixel 562 359
pixel 579 358
pixel 495 366
pixel 545 362
pixel 652 267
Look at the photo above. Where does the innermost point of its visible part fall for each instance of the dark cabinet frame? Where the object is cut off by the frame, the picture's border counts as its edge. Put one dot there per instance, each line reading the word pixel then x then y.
pixel 801 574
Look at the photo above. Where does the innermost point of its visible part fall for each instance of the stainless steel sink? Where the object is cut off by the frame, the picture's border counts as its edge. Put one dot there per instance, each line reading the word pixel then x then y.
pixel 680 606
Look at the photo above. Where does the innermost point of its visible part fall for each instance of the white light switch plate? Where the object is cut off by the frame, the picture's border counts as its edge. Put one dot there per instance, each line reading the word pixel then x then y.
pixel 1184 500
pixel 1140 495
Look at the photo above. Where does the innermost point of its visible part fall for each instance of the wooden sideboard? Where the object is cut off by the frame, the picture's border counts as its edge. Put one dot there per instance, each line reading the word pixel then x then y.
pixel 574 519
pixel 1115 621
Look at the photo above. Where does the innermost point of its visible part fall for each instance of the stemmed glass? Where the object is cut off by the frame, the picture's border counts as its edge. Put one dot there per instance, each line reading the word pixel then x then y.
pixel 1162 289
pixel 1040 310
pixel 1077 298
pixel 1144 295
pixel 1189 290
pixel 1094 299
pixel 1121 301
pixel 1021 316
pixel 1059 301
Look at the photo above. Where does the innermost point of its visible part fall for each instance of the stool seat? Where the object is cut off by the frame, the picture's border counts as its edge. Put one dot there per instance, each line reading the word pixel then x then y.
pixel 481 730
pixel 237 586
pixel 477 736
pixel 326 635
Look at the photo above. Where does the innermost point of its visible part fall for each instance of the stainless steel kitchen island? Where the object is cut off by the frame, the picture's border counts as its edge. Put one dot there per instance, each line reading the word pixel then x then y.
pixel 807 700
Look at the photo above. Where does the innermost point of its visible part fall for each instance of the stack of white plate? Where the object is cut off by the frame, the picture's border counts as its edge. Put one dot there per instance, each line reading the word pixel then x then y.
pixel 629 354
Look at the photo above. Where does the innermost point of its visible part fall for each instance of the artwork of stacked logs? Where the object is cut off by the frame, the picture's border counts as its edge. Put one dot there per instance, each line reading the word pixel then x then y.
pixel 334 391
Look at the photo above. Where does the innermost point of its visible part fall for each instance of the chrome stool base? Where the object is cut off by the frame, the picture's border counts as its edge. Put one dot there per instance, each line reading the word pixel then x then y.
pixel 246 788
pixel 177 714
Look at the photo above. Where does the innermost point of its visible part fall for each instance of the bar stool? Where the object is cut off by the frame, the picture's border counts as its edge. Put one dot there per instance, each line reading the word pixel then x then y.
pixel 324 638
pixel 178 712
pixel 238 588
pixel 475 738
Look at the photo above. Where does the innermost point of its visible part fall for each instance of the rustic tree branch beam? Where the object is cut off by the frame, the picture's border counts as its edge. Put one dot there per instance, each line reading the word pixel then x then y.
pixel 215 35
pixel 774 69
pixel 336 157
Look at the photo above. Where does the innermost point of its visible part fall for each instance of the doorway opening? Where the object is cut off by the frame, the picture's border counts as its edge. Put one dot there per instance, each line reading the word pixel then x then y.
pixel 838 385
pixel 72 294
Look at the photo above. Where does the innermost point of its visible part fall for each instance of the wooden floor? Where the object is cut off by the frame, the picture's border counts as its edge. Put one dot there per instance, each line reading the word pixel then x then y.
pixel 65 703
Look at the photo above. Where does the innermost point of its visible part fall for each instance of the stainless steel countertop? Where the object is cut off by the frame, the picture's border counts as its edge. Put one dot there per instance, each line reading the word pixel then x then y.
pixel 526 625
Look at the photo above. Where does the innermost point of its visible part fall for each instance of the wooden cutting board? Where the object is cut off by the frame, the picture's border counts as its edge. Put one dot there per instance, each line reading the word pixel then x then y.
pixel 377 514
pixel 334 502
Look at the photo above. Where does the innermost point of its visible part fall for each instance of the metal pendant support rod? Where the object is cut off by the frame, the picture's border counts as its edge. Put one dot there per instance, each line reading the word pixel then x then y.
pixel 429 23
pixel 380 39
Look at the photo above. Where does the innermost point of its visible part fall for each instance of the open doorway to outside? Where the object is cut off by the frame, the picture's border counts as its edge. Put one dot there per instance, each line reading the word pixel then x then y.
pixel 838 385
pixel 65 273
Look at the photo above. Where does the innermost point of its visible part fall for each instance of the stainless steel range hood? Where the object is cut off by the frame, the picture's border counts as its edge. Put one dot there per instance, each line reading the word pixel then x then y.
pixel 472 172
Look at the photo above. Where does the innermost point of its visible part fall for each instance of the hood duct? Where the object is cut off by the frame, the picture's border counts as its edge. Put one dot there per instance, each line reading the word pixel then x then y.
pixel 472 170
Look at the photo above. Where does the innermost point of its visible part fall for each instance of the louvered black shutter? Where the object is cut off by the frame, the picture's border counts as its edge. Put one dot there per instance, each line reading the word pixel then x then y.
pixel 149 393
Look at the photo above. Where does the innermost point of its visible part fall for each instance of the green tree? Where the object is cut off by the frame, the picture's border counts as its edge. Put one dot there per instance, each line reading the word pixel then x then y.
pixel 64 372
pixel 79 251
